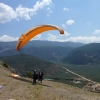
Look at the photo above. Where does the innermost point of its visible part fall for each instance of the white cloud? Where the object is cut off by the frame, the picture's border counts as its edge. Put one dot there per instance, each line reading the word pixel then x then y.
pixel 7 13
pixel 65 9
pixel 42 4
pixel 24 13
pixel 6 38
pixel 51 37
pixel 49 11
pixel 66 33
pixel 70 22
pixel 96 32
pixel 63 25
pixel 91 39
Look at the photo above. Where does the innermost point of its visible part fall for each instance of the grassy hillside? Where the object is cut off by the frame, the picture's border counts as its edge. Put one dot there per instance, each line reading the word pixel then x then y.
pixel 87 54
pixel 22 89
pixel 25 63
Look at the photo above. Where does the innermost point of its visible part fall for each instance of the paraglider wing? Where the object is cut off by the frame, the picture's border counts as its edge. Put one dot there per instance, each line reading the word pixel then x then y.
pixel 15 75
pixel 33 32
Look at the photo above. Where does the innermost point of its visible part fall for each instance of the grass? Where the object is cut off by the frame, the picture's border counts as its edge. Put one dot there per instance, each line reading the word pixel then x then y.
pixel 19 89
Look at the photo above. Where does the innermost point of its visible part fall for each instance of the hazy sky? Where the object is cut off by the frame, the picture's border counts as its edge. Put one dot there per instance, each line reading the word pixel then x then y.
pixel 80 19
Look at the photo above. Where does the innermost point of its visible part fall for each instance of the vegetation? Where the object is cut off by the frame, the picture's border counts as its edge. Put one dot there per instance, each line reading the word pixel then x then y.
pixel 43 49
pixel 5 65
pixel 25 63
pixel 84 60
pixel 29 74
pixel 89 71
pixel 22 88
pixel 85 55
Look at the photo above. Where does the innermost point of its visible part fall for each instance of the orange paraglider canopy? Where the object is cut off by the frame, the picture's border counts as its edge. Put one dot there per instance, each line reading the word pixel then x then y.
pixel 15 75
pixel 33 32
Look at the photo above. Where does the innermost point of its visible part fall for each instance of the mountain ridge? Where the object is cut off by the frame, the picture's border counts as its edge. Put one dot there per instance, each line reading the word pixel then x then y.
pixel 47 50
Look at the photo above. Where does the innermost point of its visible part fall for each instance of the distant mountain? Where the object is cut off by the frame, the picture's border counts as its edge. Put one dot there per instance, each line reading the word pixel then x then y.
pixel 87 54
pixel 25 63
pixel 41 43
pixel 47 53
pixel 7 45
pixel 43 49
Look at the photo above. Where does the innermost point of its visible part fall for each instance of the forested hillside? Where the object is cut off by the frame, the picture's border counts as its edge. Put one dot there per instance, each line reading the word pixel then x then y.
pixel 25 63
pixel 87 54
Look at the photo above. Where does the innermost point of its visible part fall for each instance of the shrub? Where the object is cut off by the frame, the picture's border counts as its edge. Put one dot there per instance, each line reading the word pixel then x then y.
pixel 5 65
pixel 29 74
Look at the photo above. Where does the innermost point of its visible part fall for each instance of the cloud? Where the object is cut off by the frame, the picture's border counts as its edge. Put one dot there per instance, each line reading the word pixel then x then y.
pixel 70 22
pixel 96 32
pixel 51 37
pixel 49 11
pixel 66 33
pixel 6 38
pixel 24 13
pixel 7 13
pixel 80 39
pixel 91 39
pixel 42 4
pixel 65 9
pixel 63 25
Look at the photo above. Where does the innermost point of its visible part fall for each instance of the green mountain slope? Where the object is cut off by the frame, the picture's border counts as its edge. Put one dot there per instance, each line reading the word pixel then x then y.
pixel 25 63
pixel 87 54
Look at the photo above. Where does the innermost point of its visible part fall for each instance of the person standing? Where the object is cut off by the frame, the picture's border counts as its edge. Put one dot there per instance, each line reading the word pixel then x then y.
pixel 34 77
pixel 41 76
pixel 38 76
